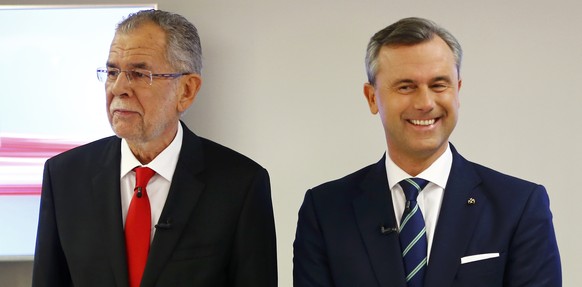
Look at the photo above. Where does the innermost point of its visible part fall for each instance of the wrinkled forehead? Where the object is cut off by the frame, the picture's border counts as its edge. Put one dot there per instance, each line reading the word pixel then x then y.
pixel 145 45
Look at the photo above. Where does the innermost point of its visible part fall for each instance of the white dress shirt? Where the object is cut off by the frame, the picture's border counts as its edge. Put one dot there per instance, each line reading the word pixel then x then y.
pixel 159 185
pixel 430 198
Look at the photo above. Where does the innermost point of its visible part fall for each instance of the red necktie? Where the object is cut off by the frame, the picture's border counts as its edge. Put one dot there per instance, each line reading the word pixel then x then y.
pixel 138 227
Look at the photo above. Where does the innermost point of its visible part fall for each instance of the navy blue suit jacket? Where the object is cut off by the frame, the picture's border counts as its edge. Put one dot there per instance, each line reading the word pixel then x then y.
pixel 218 225
pixel 339 240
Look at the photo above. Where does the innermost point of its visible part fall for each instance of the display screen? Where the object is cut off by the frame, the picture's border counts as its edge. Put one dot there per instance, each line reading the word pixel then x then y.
pixel 51 101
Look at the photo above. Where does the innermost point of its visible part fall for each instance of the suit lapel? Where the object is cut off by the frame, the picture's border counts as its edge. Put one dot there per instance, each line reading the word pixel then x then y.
pixel 106 195
pixel 455 224
pixel 182 197
pixel 373 209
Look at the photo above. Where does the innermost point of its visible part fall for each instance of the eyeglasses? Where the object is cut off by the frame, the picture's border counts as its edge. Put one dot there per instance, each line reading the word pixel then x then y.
pixel 137 76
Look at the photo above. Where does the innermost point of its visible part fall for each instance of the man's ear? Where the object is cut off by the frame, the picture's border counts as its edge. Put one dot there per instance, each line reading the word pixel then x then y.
pixel 190 86
pixel 459 92
pixel 370 95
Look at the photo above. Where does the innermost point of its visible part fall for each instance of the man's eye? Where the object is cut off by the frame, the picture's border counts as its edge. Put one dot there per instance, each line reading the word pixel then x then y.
pixel 439 87
pixel 138 74
pixel 405 89
pixel 112 73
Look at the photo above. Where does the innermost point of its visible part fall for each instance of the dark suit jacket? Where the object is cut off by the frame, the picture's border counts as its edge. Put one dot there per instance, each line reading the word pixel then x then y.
pixel 339 242
pixel 217 222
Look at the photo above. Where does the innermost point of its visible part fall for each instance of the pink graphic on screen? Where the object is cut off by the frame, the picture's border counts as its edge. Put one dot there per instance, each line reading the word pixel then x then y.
pixel 22 161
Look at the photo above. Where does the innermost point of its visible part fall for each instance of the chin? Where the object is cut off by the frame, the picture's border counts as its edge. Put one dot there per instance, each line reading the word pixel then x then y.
pixel 123 132
pixel 427 145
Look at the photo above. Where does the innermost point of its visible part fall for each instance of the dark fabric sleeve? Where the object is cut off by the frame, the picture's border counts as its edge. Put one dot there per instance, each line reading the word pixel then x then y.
pixel 50 266
pixel 310 263
pixel 533 257
pixel 254 256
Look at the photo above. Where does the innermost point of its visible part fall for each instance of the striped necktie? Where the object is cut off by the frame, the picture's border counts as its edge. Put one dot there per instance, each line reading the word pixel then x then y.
pixel 413 240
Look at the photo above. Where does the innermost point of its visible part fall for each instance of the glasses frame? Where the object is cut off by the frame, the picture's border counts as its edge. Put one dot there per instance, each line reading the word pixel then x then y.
pixel 103 75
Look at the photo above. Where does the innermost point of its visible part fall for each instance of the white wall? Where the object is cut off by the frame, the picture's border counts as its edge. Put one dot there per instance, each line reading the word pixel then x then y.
pixel 283 82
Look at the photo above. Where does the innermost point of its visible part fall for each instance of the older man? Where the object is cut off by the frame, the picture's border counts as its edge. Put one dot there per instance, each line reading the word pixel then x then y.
pixel 155 205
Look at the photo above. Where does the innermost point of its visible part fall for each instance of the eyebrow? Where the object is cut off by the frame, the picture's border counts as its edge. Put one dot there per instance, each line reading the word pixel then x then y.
pixel 140 65
pixel 410 81
pixel 442 78
pixel 402 81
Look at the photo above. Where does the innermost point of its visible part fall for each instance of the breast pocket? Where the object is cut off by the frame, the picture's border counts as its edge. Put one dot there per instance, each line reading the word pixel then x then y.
pixel 486 272
pixel 193 252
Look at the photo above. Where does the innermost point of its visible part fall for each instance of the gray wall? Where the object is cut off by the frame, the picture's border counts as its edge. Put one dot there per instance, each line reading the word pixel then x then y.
pixel 283 84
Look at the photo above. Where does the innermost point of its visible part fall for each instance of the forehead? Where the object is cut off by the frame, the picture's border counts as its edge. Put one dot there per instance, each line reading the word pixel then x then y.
pixel 143 46
pixel 432 58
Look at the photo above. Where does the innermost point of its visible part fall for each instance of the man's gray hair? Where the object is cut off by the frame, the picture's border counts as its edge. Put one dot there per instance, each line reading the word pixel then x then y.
pixel 183 50
pixel 408 31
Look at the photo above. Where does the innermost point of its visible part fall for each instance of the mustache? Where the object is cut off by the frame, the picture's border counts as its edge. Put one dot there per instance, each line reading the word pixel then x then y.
pixel 121 106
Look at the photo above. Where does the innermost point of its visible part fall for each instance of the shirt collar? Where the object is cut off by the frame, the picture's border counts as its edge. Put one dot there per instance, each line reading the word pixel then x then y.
pixel 164 164
pixel 437 173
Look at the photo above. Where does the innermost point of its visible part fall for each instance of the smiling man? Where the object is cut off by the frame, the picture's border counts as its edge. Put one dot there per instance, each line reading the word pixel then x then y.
pixel 423 215
pixel 155 205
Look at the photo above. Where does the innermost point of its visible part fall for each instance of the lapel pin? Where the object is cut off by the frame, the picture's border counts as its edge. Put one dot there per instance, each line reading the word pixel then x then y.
pixel 471 201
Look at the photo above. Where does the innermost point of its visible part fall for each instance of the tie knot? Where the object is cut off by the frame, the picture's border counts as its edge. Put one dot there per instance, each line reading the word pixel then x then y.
pixel 143 176
pixel 412 186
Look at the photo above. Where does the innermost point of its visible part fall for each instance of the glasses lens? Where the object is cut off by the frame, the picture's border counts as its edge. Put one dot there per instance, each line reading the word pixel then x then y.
pixel 112 74
pixel 102 74
pixel 107 74
pixel 140 76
